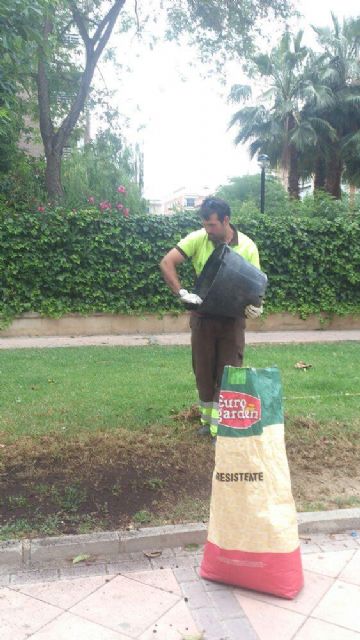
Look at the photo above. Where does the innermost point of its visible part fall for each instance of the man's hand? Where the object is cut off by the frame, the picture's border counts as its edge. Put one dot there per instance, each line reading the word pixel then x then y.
pixel 252 312
pixel 189 298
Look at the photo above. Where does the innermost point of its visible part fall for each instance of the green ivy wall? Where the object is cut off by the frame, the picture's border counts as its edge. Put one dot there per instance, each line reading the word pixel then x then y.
pixel 59 261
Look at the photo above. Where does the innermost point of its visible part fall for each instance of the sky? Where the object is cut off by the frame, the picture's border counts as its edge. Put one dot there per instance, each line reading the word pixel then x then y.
pixel 181 118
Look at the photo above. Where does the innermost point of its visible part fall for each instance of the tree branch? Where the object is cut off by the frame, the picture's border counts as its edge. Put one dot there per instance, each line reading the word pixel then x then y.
pixel 115 10
pixel 105 28
pixel 46 125
pixel 80 23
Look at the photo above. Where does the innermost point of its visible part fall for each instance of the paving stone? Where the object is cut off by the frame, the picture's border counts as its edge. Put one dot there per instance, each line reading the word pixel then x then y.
pixel 86 570
pixel 195 552
pixel 207 621
pixel 185 574
pixel 309 547
pixel 141 555
pixel 173 563
pixel 127 567
pixel 64 593
pixel 195 594
pixel 4 579
pixel 226 603
pixel 210 585
pixel 129 557
pixel 42 575
pixel 340 536
pixel 163 579
pixel 340 606
pixel 22 616
pixel 167 553
pixel 240 629
pixel 126 606
pixel 338 545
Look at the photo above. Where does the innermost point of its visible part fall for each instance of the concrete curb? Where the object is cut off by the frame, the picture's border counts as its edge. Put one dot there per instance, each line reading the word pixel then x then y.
pixel 334 521
pixel 112 545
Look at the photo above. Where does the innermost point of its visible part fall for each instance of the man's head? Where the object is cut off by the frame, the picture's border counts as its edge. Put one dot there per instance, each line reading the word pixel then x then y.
pixel 215 214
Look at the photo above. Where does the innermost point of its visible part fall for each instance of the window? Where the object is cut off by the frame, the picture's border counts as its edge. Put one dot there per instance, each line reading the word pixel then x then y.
pixel 189 202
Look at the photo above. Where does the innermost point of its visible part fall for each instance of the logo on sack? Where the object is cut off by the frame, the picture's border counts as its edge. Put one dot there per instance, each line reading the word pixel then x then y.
pixel 238 410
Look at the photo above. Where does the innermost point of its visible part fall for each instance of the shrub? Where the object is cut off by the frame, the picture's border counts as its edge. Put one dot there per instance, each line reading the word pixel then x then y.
pixel 58 261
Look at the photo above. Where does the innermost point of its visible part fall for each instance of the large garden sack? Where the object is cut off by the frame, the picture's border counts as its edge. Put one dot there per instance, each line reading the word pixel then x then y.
pixel 253 535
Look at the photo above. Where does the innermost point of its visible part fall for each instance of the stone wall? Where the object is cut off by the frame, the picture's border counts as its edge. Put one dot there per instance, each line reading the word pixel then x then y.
pixel 32 324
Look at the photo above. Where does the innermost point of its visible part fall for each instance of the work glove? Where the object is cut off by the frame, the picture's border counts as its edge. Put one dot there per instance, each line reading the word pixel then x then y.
pixel 189 298
pixel 252 312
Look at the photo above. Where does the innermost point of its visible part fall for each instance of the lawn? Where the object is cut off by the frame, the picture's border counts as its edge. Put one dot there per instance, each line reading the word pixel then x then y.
pixel 90 388
pixel 105 437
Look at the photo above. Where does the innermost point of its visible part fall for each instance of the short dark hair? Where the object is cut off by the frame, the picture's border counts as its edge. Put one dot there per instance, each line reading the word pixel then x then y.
pixel 214 205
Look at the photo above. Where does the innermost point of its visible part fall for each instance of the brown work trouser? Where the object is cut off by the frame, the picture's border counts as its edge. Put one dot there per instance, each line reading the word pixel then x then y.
pixel 215 342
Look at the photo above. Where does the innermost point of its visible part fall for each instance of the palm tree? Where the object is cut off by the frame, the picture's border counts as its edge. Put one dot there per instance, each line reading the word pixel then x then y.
pixel 339 68
pixel 279 125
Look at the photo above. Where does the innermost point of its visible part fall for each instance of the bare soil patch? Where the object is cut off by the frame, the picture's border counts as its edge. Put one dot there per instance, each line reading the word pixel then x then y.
pixel 51 485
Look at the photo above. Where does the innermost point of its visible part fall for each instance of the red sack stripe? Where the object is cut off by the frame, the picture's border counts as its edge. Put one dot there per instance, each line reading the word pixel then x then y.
pixel 277 573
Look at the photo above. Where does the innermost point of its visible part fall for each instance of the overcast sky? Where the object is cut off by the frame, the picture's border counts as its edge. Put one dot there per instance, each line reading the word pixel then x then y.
pixel 181 118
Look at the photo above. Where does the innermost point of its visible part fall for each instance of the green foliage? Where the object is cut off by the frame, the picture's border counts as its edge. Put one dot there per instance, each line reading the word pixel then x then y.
pixel 222 29
pixel 98 170
pixel 23 185
pixel 19 30
pixel 9 134
pixel 313 264
pixel 307 117
pixel 320 205
pixel 246 189
pixel 59 261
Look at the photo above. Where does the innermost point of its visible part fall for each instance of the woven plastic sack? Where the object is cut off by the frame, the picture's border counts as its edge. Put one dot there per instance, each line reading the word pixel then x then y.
pixel 253 537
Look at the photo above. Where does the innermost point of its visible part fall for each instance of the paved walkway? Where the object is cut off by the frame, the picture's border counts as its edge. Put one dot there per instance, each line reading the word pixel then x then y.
pixel 163 598
pixel 252 337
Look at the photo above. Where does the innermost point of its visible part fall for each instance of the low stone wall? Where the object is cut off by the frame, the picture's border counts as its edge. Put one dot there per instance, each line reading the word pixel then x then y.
pixel 31 324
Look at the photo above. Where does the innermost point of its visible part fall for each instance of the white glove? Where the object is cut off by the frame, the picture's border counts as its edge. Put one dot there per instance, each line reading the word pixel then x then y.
pixel 189 298
pixel 252 312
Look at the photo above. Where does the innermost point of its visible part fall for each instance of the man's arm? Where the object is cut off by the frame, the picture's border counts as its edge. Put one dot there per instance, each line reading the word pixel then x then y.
pixel 168 266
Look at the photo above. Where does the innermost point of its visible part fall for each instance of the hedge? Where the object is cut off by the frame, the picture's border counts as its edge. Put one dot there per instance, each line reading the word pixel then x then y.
pixel 60 261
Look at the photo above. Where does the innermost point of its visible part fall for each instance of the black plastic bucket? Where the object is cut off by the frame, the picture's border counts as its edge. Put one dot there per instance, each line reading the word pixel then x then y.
pixel 228 283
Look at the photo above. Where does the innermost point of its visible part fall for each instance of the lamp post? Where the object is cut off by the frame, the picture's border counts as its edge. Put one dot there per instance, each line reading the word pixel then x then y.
pixel 263 162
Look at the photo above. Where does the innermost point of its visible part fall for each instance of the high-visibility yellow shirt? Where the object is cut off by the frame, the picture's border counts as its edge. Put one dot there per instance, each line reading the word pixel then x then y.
pixel 199 248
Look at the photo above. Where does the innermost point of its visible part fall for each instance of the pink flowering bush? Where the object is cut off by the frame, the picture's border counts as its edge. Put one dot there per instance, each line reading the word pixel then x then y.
pixel 120 205
pixel 104 205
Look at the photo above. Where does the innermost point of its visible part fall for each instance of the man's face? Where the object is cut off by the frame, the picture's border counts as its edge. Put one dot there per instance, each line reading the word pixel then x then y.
pixel 216 229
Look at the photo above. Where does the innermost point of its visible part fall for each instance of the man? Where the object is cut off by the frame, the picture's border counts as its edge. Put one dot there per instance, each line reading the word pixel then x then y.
pixel 216 340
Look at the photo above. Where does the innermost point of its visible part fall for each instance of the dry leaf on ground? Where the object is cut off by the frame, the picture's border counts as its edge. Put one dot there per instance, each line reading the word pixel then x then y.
pixel 302 365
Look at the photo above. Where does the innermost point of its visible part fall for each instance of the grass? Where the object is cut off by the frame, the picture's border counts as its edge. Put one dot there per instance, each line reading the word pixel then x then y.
pixel 101 438
pixel 102 388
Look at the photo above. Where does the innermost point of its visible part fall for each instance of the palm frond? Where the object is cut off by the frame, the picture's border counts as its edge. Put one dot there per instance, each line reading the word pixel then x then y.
pixel 323 127
pixel 239 93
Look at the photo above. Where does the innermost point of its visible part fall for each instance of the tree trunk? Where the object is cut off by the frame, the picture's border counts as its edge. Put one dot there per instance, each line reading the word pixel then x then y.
pixel 293 179
pixel 352 193
pixel 334 171
pixel 320 173
pixel 53 176
pixel 54 141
